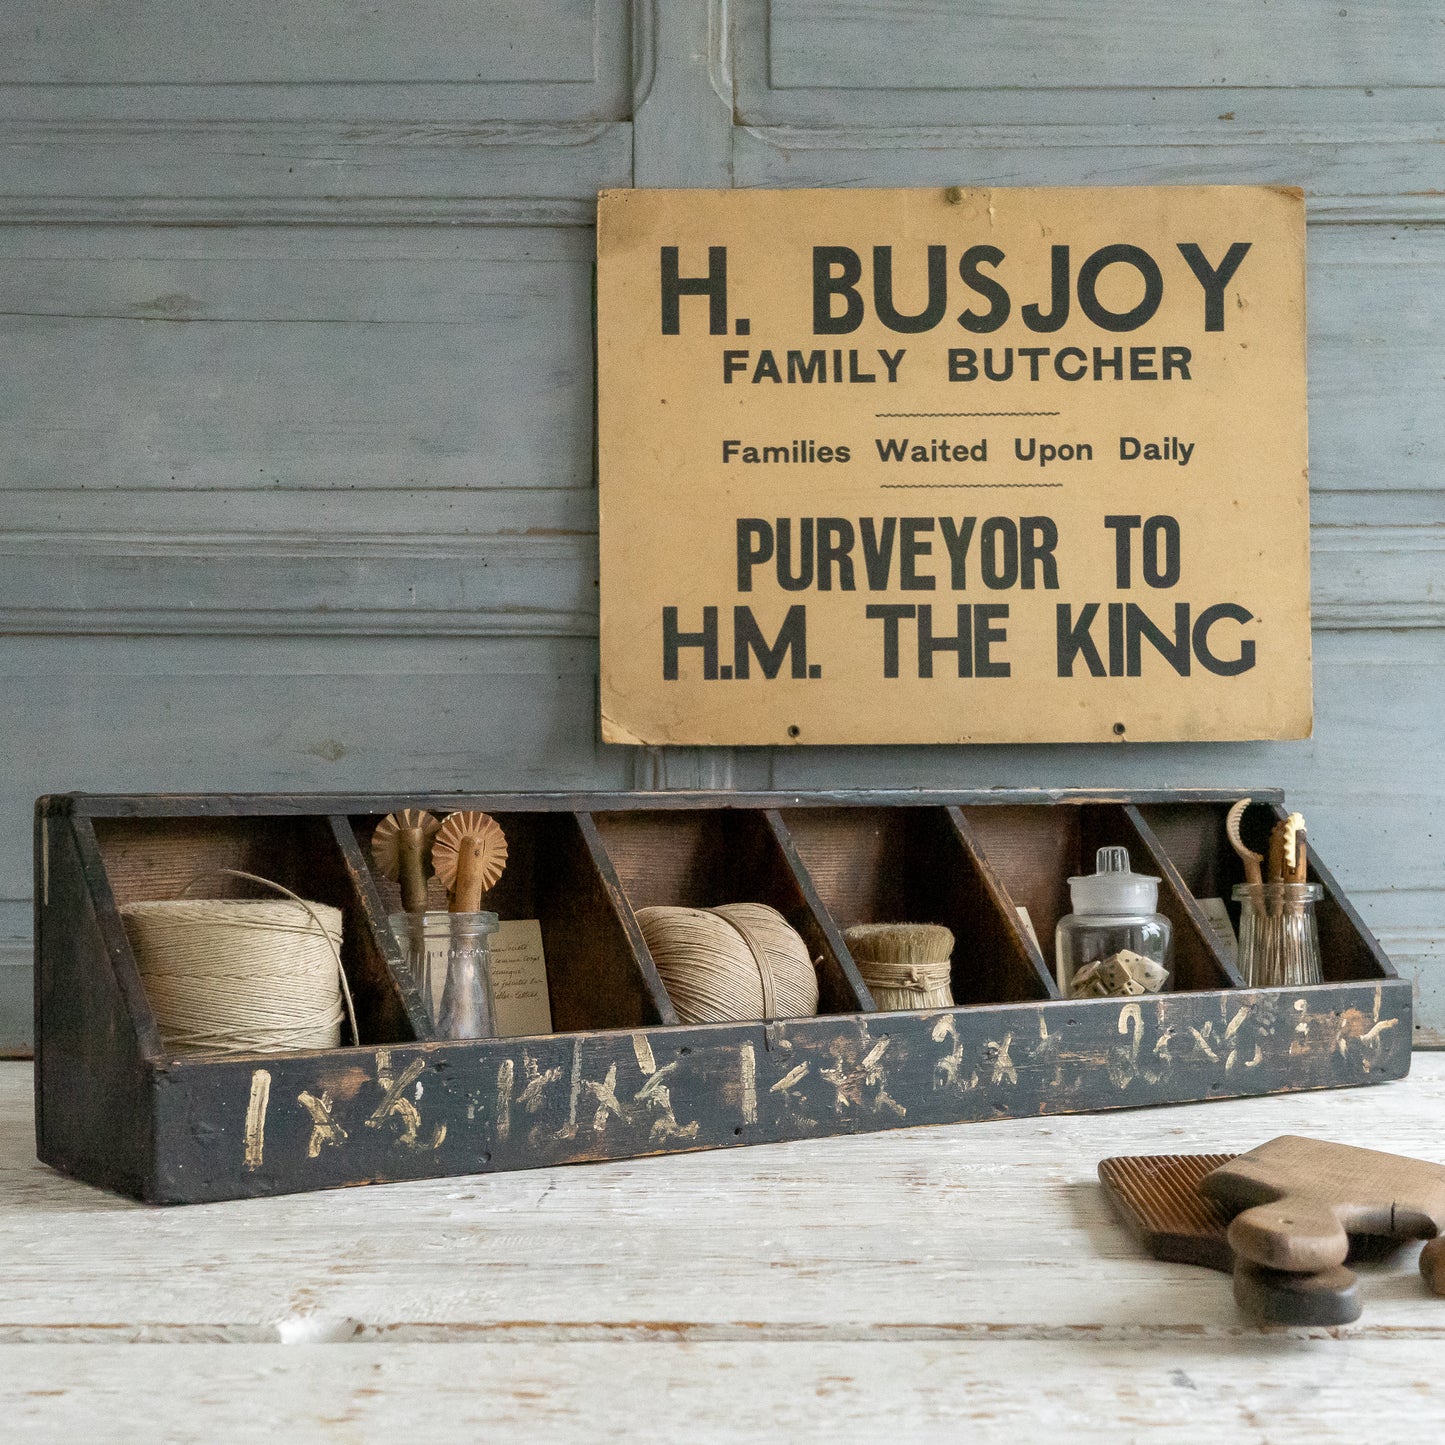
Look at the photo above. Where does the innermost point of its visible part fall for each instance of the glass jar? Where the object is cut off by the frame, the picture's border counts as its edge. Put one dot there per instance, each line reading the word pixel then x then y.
pixel 1114 943
pixel 1279 943
pixel 449 958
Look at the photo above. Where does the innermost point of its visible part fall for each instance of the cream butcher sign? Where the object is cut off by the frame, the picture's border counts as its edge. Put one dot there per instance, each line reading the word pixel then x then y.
pixel 953 466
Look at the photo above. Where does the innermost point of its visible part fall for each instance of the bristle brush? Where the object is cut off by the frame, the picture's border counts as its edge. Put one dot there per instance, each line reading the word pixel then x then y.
pixel 401 850
pixel 905 965
pixel 469 855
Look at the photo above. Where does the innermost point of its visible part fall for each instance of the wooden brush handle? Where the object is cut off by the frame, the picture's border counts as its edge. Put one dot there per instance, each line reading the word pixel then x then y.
pixel 401 850
pixel 1276 865
pixel 469 855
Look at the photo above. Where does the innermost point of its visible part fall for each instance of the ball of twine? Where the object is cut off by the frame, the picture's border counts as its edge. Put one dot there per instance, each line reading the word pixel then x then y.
pixel 726 965
pixel 238 976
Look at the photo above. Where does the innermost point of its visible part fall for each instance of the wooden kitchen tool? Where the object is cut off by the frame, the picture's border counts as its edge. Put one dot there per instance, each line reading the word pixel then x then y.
pixel 1296 861
pixel 1302 1198
pixel 1253 862
pixel 469 855
pixel 401 850
pixel 1157 1198
pixel 1432 1265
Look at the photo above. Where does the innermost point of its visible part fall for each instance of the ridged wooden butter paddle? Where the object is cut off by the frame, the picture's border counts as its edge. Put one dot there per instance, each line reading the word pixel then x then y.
pixel 1158 1198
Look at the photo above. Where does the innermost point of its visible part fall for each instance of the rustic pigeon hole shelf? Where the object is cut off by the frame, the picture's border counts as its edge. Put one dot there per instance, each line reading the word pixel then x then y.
pixel 621 1077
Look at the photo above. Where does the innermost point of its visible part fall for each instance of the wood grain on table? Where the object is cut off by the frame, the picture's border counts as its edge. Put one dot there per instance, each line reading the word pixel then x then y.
pixel 923 1282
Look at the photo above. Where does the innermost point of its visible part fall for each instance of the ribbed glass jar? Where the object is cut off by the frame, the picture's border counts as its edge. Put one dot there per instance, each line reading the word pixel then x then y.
pixel 449 958
pixel 1279 944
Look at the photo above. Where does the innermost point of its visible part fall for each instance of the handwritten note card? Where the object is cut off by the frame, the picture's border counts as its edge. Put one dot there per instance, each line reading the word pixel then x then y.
pixel 519 979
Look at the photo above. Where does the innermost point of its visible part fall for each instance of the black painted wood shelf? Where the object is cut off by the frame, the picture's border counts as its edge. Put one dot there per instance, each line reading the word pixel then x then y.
pixel 622 1077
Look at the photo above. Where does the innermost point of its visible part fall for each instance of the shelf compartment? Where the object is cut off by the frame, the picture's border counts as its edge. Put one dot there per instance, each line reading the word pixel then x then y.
pixel 598 972
pixel 156 858
pixel 706 857
pixel 921 865
pixel 1193 836
pixel 1035 849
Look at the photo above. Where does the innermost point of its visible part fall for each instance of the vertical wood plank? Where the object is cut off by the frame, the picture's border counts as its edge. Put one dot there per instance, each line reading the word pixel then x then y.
pixel 682 135
pixel 93 1066
pixel 682 94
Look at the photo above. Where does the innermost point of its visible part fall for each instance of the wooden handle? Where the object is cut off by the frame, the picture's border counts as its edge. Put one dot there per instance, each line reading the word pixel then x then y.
pixel 1300 872
pixel 1276 853
pixel 1296 1234
pixel 471 876
pixel 469 855
pixel 1274 1298
pixel 1277 872
pixel 412 845
pixel 1432 1264
pixel 401 849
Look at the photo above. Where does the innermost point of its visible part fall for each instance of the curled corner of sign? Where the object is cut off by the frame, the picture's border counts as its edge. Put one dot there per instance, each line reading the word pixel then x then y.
pixel 614 732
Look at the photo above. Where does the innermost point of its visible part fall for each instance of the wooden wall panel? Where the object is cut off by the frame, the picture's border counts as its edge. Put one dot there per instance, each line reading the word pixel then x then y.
pixel 227 42
pixel 273 714
pixel 514 561
pixel 1141 45
pixel 298 358
pixel 1120 63
pixel 551 60
pixel 268 172
pixel 1349 171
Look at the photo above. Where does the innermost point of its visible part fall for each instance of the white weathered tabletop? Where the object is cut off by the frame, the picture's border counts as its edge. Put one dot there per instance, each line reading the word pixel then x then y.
pixel 925 1284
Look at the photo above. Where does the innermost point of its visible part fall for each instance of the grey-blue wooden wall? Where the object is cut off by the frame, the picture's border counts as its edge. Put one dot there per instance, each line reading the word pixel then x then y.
pixel 296 473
